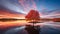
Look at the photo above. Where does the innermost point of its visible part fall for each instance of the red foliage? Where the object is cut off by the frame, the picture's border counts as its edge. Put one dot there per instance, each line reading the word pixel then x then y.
pixel 33 15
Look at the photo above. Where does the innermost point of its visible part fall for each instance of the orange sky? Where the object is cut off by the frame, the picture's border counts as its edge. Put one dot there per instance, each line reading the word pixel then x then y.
pixel 6 14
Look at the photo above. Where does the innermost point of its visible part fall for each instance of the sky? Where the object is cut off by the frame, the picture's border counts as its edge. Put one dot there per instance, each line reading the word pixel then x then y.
pixel 19 9
pixel 47 8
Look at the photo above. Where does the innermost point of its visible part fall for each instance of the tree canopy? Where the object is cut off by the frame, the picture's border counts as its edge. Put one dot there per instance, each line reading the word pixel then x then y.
pixel 33 15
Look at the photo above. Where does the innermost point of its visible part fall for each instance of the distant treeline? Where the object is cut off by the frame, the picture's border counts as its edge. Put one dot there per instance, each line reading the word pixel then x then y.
pixel 13 19
pixel 9 19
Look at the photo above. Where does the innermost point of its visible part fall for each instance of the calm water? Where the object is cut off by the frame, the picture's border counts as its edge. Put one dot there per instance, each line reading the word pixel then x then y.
pixel 46 28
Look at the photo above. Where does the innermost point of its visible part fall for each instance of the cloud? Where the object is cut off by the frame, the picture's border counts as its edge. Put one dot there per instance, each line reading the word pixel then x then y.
pixel 12 6
pixel 8 14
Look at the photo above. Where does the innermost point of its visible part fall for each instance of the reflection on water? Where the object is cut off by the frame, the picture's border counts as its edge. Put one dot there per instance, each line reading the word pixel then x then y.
pixel 46 27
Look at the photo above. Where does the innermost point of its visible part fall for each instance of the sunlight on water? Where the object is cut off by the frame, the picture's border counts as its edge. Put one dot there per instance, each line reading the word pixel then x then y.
pixel 23 22
pixel 51 26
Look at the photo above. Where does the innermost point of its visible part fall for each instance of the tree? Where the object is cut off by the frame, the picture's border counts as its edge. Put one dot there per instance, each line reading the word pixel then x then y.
pixel 33 15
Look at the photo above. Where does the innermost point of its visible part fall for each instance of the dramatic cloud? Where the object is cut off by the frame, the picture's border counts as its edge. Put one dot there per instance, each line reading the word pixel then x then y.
pixel 24 6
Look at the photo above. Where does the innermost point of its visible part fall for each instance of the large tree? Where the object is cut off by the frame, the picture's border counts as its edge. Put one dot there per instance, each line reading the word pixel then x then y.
pixel 33 15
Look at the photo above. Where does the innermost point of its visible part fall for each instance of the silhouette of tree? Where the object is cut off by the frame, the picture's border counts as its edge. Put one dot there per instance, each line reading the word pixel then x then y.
pixel 32 17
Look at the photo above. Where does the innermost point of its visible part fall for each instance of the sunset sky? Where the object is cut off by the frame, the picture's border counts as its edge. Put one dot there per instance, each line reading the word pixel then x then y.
pixel 20 8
